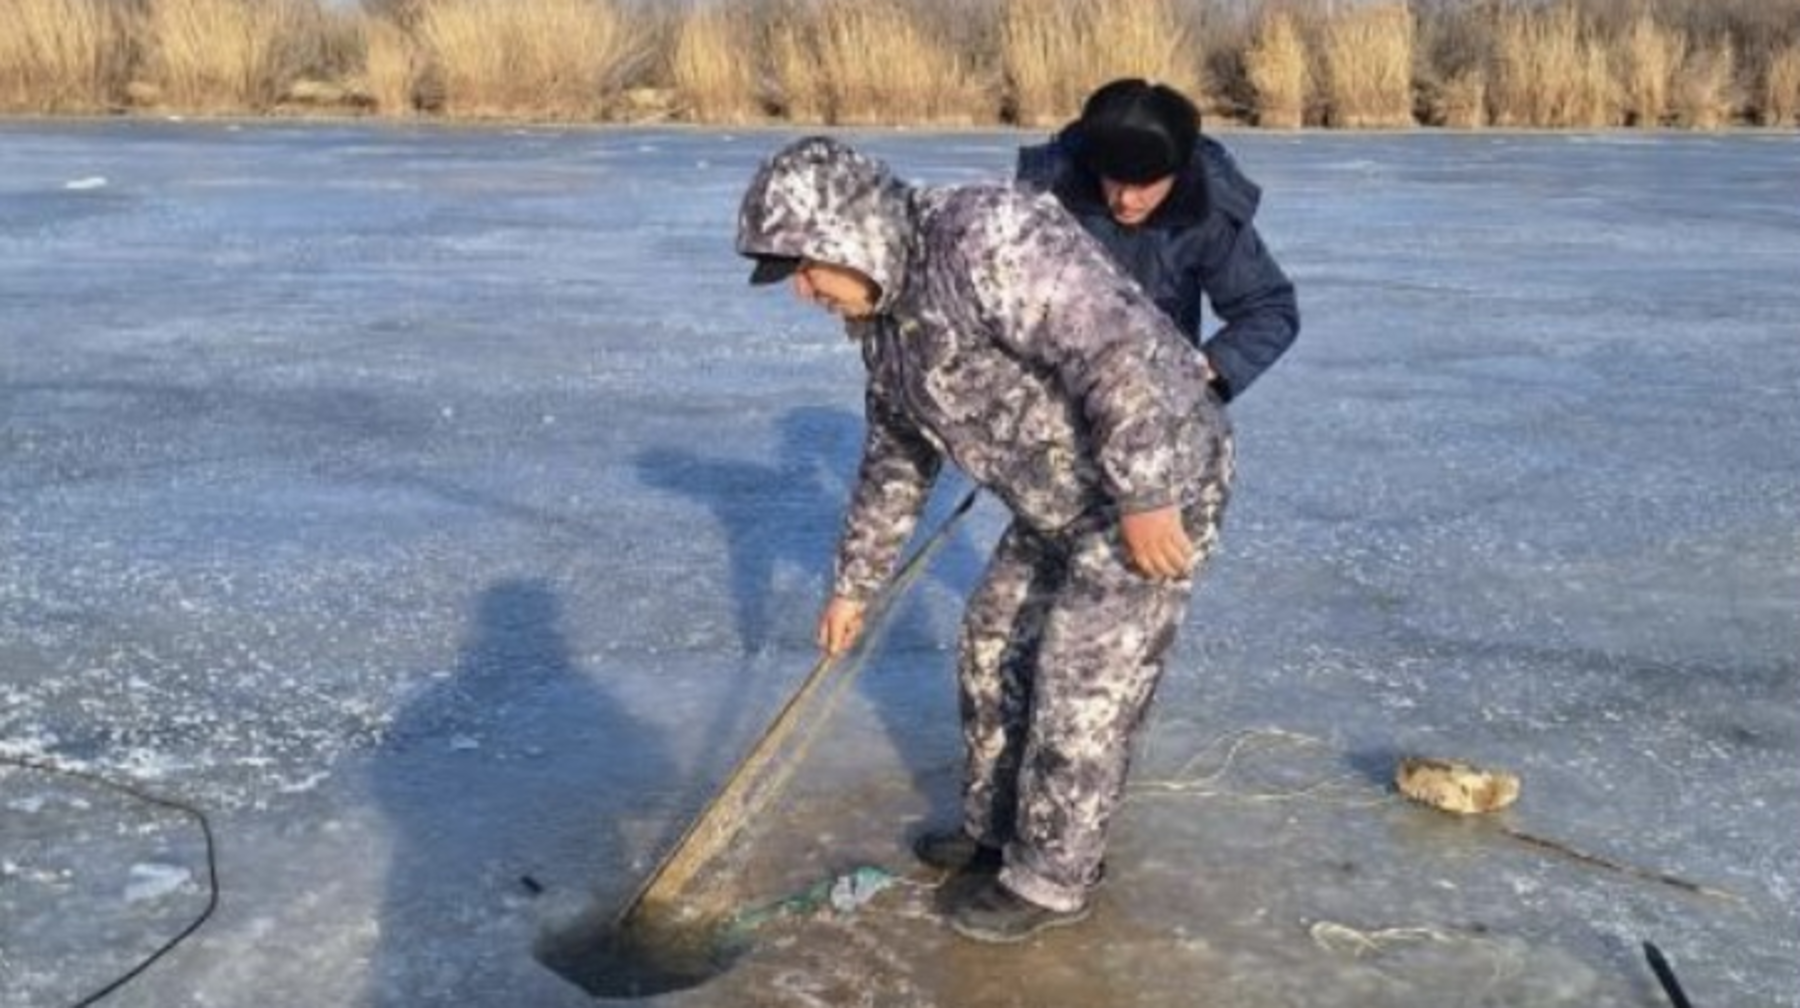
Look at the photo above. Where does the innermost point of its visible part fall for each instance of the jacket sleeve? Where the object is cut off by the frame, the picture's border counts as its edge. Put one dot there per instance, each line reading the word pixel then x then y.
pixel 1038 166
pixel 892 484
pixel 1052 295
pixel 1253 298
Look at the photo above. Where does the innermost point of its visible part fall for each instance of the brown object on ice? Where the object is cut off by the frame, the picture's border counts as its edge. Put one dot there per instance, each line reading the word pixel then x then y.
pixel 1455 786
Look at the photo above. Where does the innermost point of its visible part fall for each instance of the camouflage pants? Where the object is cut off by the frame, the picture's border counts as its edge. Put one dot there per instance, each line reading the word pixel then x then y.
pixel 1060 653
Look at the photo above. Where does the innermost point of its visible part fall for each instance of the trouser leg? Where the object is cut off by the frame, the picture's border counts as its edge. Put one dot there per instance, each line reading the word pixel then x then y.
pixel 1104 638
pixel 996 657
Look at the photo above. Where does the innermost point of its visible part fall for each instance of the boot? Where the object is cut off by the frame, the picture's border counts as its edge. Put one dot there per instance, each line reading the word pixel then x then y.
pixel 956 851
pixel 994 913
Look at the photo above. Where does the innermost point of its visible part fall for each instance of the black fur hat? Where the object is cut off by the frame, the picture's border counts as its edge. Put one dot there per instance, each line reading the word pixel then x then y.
pixel 1134 131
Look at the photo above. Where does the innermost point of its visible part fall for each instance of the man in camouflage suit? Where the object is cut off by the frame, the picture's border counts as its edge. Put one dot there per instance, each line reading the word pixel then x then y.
pixel 999 335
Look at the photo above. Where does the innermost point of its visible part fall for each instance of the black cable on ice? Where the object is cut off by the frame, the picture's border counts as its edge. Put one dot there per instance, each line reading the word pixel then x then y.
pixel 212 862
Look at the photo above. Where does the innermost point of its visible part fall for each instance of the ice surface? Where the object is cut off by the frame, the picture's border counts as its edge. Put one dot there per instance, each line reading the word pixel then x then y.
pixel 440 512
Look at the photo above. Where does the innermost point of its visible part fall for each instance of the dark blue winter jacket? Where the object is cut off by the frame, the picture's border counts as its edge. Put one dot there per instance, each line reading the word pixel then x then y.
pixel 1200 241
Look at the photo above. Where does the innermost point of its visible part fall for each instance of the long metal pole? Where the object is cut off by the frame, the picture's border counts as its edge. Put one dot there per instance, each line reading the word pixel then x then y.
pixel 728 810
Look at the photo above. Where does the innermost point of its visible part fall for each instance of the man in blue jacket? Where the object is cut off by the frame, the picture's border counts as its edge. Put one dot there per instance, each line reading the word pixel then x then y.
pixel 1174 211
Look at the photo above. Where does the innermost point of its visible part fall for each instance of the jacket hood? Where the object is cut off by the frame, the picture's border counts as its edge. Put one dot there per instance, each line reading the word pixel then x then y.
pixel 819 199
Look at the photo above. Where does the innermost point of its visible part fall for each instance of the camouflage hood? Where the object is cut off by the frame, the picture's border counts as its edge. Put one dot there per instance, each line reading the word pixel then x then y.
pixel 819 199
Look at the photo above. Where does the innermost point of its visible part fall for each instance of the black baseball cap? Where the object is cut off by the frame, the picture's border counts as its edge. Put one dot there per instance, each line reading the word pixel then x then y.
pixel 773 268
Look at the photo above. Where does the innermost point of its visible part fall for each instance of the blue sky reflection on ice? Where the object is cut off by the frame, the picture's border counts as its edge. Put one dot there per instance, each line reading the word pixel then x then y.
pixel 438 508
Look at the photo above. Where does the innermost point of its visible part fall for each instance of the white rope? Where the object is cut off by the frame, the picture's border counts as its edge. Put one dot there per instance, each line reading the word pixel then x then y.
pixel 1214 781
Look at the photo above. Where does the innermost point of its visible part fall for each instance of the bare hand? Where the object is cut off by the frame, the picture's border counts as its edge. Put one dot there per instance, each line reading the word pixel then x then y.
pixel 840 625
pixel 1157 544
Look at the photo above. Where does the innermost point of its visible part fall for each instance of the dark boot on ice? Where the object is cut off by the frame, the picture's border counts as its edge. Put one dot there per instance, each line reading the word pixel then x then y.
pixel 956 851
pixel 994 913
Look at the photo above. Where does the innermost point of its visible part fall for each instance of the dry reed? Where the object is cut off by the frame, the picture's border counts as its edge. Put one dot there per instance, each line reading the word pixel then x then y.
pixel 1053 53
pixel 1649 57
pixel 1461 101
pixel 863 62
pixel 1366 55
pixel 546 59
pixel 1550 72
pixel 883 64
pixel 713 64
pixel 1517 63
pixel 1276 64
pixel 391 66
pixel 803 92
pixel 61 55
pixel 226 55
pixel 1704 98
pixel 1781 88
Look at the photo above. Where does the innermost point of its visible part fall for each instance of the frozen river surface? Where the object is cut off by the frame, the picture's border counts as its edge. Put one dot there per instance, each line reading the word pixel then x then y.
pixel 441 515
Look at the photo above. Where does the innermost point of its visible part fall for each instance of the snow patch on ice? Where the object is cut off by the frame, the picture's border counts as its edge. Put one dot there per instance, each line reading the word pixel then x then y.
pixel 307 783
pixel 149 881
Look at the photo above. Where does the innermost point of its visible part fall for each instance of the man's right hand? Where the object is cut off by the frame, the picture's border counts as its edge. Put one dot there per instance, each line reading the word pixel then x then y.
pixel 1157 544
pixel 840 625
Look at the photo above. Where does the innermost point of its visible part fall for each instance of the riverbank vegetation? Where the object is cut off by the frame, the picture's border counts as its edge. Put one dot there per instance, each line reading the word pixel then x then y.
pixel 1351 64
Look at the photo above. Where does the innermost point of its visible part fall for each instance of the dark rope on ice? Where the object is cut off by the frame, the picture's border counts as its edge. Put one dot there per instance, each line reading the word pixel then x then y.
pixel 1621 867
pixel 1350 791
pixel 212 862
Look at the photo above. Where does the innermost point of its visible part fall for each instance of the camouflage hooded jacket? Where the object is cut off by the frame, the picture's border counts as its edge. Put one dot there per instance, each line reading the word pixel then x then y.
pixel 1003 338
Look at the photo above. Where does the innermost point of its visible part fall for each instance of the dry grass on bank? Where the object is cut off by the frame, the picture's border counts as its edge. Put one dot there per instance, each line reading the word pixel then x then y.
pixel 391 66
pixel 1451 66
pixel 549 59
pixel 225 55
pixel 61 55
pixel 1278 68
pixel 1461 101
pixel 1366 54
pixel 714 67
pixel 1649 56
pixel 1278 63
pixel 1705 97
pixel 802 94
pixel 1551 71
pixel 1053 53
pixel 1781 88
pixel 862 62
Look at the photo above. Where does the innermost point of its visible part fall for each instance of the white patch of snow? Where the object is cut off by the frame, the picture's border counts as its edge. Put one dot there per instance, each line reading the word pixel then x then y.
pixel 150 881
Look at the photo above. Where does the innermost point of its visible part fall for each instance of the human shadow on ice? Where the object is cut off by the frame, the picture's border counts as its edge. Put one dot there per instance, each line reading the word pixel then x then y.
pixel 781 522
pixel 505 781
